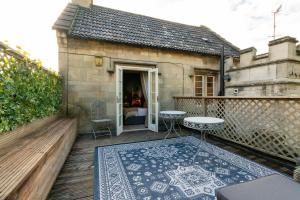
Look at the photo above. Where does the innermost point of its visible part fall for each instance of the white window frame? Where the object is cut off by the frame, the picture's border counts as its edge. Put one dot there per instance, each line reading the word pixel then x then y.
pixel 204 84
pixel 203 78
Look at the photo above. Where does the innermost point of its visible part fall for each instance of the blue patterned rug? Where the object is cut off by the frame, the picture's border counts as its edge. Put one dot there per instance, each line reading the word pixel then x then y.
pixel 164 170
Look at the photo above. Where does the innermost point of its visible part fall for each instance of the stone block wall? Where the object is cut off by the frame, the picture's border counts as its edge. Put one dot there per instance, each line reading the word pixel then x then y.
pixel 276 73
pixel 86 81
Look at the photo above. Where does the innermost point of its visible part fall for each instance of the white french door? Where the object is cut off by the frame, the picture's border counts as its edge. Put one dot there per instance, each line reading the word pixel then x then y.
pixel 153 99
pixel 119 100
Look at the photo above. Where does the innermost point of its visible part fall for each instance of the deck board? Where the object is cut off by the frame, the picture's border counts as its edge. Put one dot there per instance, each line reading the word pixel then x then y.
pixel 75 180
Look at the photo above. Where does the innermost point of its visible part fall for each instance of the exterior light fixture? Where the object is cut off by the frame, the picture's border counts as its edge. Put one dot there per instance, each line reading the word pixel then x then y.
pixel 227 77
pixel 98 61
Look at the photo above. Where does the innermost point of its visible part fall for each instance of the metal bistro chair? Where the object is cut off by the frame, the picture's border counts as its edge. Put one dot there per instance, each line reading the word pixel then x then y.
pixel 100 123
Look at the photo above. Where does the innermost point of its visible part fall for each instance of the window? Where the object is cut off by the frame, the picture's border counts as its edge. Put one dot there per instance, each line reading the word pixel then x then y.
pixel 210 82
pixel 199 85
pixel 204 83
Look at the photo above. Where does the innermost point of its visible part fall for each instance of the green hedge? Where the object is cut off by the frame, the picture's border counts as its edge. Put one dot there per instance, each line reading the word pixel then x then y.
pixel 27 91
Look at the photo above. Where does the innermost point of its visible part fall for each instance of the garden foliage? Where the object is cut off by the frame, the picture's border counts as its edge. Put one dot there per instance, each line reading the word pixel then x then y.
pixel 27 91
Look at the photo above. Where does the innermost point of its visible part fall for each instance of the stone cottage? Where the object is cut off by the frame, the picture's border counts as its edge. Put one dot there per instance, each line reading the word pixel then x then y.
pixel 276 73
pixel 133 63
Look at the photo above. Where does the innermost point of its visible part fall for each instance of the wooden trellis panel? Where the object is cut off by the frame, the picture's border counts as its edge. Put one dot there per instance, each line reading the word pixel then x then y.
pixel 271 125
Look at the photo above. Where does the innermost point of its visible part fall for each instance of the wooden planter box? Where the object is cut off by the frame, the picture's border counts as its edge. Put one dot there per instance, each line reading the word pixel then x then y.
pixel 10 137
pixel 29 171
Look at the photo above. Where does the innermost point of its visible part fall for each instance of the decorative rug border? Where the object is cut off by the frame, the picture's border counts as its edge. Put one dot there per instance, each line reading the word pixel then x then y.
pixel 244 163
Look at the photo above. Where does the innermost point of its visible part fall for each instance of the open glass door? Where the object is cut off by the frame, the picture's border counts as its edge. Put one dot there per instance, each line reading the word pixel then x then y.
pixel 153 99
pixel 119 100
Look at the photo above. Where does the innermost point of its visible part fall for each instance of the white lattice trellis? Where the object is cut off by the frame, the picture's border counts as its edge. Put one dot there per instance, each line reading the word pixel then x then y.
pixel 271 125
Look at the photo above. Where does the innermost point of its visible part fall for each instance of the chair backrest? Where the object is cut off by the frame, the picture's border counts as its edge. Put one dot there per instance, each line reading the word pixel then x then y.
pixel 98 110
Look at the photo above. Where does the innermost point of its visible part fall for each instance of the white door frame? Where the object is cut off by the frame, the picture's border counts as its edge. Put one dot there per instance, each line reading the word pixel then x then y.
pixel 119 100
pixel 153 95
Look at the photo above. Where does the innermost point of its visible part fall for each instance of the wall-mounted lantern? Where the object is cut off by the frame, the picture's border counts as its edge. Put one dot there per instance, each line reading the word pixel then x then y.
pixel 227 78
pixel 98 61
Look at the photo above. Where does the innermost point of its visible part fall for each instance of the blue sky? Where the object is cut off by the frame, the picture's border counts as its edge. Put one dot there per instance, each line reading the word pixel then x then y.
pixel 245 23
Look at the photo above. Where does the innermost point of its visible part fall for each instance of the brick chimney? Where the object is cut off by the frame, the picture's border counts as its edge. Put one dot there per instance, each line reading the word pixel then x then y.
pixel 83 3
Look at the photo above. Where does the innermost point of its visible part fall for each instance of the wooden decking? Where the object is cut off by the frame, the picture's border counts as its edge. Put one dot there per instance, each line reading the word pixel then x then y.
pixel 30 166
pixel 75 180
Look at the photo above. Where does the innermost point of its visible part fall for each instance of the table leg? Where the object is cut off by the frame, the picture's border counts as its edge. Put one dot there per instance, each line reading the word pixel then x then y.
pixel 168 133
pixel 198 147
pixel 174 123
pixel 178 125
pixel 165 123
pixel 172 128
pixel 203 142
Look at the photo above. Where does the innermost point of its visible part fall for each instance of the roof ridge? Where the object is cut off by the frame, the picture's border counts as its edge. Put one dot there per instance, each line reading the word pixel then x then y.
pixel 156 18
pixel 178 23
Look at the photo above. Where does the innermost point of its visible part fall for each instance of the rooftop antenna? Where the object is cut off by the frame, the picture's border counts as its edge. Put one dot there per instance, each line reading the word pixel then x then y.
pixel 274 21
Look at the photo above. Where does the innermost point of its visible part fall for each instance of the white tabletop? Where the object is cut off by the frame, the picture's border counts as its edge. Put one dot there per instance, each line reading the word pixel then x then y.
pixel 172 112
pixel 204 120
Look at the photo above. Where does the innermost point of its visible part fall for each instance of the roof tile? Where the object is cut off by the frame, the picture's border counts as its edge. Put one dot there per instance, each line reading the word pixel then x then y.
pixel 100 23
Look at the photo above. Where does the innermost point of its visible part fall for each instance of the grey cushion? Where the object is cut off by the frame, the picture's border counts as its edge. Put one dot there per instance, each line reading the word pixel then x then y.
pixel 273 187
pixel 298 161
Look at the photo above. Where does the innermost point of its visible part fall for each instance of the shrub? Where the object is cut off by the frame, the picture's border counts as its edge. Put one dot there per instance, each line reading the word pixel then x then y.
pixel 27 91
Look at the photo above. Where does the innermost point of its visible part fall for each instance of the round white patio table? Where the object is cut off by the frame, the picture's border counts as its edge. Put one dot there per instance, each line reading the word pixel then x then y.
pixel 173 116
pixel 203 124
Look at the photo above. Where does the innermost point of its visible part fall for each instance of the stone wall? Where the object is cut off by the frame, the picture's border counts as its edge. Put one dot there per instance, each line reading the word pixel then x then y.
pixel 276 73
pixel 88 71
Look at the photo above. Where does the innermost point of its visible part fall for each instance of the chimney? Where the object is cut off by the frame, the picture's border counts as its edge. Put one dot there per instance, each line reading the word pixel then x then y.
pixel 247 56
pixel 282 48
pixel 83 3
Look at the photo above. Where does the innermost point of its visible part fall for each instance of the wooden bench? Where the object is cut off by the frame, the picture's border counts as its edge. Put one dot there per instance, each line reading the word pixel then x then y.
pixel 30 171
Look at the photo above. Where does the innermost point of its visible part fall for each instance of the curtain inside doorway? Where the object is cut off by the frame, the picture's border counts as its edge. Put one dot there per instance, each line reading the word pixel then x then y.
pixel 144 83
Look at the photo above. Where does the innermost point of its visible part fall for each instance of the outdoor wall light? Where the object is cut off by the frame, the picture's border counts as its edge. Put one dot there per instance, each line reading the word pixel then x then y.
pixel 98 61
pixel 227 78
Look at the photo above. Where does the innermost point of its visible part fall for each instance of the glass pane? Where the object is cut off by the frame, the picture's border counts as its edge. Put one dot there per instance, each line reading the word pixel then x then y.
pixel 210 79
pixel 153 119
pixel 120 120
pixel 198 78
pixel 153 81
pixel 153 98
pixel 198 90
pixel 210 90
pixel 153 116
pixel 153 108
pixel 198 84
pixel 210 86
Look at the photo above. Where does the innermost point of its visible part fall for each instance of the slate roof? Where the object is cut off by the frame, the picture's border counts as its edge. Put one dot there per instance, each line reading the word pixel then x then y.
pixel 105 24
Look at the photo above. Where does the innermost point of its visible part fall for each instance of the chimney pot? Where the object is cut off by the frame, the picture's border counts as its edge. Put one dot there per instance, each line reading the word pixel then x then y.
pixel 83 3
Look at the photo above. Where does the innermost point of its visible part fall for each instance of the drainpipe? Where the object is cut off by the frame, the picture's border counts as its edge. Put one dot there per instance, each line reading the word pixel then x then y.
pixel 222 84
